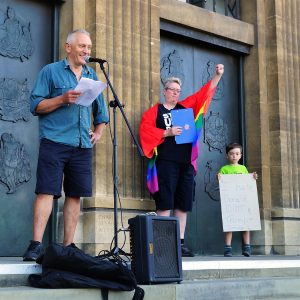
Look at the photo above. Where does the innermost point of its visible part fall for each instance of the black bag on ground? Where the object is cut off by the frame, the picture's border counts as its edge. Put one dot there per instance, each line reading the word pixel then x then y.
pixel 69 267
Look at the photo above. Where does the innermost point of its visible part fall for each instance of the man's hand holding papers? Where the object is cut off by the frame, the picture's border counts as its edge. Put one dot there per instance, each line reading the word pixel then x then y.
pixel 89 89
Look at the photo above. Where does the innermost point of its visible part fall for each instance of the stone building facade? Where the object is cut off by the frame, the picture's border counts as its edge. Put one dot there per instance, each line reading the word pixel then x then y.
pixel 128 34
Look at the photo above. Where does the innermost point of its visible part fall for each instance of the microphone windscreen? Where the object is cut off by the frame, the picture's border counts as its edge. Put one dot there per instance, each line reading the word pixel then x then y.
pixel 87 59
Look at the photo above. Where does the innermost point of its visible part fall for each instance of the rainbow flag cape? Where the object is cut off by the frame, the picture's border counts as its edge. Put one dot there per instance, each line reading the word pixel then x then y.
pixel 200 103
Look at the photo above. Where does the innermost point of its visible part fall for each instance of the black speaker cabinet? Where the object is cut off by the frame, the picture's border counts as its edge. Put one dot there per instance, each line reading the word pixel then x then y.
pixel 155 248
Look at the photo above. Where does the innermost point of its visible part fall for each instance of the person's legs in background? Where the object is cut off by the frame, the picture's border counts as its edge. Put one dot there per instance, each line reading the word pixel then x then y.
pixel 246 251
pixel 228 248
pixel 184 197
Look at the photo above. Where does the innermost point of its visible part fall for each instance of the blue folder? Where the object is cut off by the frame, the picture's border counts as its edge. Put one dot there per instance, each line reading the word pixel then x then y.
pixel 185 119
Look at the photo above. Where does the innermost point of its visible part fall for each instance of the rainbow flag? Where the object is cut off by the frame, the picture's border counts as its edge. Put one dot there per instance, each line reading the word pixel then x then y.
pixel 152 180
pixel 195 147
pixel 199 112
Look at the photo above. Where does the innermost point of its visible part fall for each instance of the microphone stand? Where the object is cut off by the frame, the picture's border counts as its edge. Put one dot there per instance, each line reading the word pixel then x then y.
pixel 114 104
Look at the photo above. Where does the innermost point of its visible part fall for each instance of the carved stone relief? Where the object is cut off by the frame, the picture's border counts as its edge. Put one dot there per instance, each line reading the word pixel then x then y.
pixel 211 184
pixel 208 74
pixel 14 100
pixel 171 66
pixel 14 163
pixel 215 132
pixel 15 36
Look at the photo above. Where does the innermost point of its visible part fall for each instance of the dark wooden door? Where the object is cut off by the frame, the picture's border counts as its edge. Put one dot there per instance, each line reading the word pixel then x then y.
pixel 195 65
pixel 25 46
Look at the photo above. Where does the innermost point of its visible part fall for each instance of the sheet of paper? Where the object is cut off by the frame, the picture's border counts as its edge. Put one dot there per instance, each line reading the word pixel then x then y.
pixel 89 89
pixel 239 202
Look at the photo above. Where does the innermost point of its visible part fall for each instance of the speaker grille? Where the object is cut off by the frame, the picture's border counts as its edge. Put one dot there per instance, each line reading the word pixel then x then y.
pixel 165 250
pixel 155 249
pixel 133 247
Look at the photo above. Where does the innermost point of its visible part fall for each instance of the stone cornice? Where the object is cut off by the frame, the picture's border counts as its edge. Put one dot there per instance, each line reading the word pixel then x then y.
pixel 207 21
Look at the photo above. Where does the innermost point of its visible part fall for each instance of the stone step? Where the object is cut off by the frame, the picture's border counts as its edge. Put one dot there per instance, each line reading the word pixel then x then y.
pixel 210 267
pixel 212 289
pixel 14 272
pixel 213 278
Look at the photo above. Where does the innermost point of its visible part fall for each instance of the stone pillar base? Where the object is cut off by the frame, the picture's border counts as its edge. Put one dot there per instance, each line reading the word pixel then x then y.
pixel 286 237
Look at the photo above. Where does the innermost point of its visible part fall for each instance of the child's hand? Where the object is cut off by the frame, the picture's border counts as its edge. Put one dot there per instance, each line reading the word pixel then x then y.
pixel 255 176
pixel 218 176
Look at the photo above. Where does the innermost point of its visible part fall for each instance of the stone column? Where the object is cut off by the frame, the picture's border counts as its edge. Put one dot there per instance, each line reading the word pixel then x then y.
pixel 285 129
pixel 126 34
pixel 272 112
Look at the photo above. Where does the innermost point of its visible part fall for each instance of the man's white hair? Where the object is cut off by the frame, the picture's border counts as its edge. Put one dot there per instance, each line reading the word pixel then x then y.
pixel 71 35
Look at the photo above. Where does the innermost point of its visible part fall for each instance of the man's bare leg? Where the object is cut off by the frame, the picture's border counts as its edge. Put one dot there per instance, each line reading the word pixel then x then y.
pixel 41 212
pixel 42 209
pixel 71 216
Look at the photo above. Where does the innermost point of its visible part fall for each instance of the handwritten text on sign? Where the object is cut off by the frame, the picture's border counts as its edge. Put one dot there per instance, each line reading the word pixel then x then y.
pixel 239 202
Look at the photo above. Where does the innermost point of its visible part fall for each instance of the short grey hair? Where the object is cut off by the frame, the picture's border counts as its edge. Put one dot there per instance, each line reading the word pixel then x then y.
pixel 71 35
pixel 171 80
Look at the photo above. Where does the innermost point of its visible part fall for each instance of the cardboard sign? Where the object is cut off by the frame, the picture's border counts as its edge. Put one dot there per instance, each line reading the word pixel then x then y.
pixel 239 202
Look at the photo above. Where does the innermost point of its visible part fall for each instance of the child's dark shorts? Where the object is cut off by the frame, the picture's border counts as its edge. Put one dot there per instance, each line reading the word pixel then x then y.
pixel 176 186
pixel 59 163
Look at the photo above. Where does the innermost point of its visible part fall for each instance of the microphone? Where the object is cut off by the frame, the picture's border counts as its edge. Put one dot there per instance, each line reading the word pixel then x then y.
pixel 89 59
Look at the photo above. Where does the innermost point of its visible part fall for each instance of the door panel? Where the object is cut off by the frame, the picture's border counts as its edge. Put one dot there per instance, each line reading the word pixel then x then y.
pixel 25 46
pixel 195 65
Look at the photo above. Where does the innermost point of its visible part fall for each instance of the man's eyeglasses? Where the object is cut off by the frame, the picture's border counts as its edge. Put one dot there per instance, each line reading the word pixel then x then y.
pixel 173 89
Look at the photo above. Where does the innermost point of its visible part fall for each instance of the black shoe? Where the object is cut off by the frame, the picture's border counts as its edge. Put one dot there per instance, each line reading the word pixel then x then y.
pixel 34 251
pixel 228 251
pixel 186 252
pixel 72 245
pixel 246 250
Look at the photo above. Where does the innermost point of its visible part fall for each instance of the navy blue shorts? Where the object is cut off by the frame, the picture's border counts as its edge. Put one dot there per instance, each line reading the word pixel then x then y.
pixel 59 163
pixel 176 186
